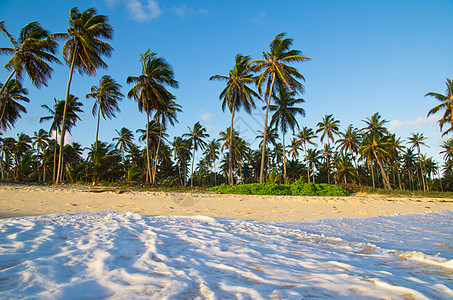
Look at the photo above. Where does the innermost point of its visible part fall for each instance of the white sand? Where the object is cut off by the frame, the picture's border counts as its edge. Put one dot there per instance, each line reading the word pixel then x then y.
pixel 23 200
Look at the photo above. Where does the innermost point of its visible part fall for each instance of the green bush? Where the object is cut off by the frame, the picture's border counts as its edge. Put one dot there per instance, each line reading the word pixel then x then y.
pixel 298 188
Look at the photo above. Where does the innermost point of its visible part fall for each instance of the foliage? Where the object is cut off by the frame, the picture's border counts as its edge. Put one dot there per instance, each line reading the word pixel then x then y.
pixel 299 188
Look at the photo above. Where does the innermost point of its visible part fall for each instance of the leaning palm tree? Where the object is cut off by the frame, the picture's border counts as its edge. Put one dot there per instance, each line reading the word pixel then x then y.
pixel 329 127
pixel 236 95
pixel 377 147
pixel 212 154
pixel 196 138
pixel 416 140
pixel 41 141
pixel 446 104
pixel 165 113
pixel 73 108
pixel 275 67
pixel 10 108
pixel 284 115
pixel 106 98
pixel 150 89
pixel 82 51
pixel 124 140
pixel 305 136
pixel 31 53
pixel 448 149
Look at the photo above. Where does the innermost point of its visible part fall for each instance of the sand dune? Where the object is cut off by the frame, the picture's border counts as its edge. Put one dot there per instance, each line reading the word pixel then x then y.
pixel 24 200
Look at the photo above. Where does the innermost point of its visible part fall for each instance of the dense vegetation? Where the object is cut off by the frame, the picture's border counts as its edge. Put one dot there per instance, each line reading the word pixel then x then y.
pixel 298 188
pixel 367 155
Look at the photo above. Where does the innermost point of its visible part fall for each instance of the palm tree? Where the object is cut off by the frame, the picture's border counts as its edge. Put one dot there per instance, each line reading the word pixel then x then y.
pixel 196 138
pixel 285 112
pixel 212 154
pixel 329 127
pixel 344 168
pixel 416 140
pixel 448 149
pixel 31 52
pixel 21 146
pixel 124 140
pixel 270 136
pixel 106 98
pixel 73 107
pixel 313 158
pixel 305 136
pixel 149 90
pixel 180 148
pixel 82 51
pixel 446 104
pixel 166 112
pixel 41 141
pixel 275 67
pixel 375 125
pixel 236 95
pixel 376 146
pixel 9 106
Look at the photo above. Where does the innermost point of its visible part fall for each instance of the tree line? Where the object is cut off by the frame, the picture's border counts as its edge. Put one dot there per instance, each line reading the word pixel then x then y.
pixel 370 155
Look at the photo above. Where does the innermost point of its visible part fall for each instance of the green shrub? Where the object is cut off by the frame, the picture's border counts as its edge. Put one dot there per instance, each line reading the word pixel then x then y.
pixel 298 188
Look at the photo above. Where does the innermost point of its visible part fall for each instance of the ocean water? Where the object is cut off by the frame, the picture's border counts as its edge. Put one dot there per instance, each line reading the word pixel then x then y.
pixel 109 255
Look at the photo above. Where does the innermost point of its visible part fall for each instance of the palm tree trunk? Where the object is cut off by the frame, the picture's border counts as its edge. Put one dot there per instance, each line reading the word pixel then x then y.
pixel 215 173
pixel 1 165
pixel 230 147
pixel 97 137
pixel 148 162
pixel 157 151
pixel 263 150
pixel 6 82
pixel 63 124
pixel 372 175
pixel 55 157
pixel 284 159
pixel 191 172
pixel 384 175
pixel 306 161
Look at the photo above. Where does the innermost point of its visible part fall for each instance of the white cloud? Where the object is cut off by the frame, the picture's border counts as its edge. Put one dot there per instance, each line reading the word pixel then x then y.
pixel 206 116
pixel 185 11
pixel 67 137
pixel 414 124
pixel 143 10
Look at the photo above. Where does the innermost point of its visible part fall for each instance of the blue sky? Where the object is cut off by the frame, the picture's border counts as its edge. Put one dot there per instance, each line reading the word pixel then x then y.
pixel 366 57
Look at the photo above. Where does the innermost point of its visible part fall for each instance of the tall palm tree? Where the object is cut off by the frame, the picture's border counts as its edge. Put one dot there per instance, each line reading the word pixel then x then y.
pixel 73 108
pixel 21 146
pixel 305 136
pixel 416 140
pixel 196 137
pixel 124 140
pixel 446 104
pixel 284 115
pixel 236 95
pixel 165 113
pixel 41 140
pixel 276 67
pixel 313 158
pixel 10 108
pixel 150 89
pixel 271 137
pixel 375 125
pixel 448 149
pixel 181 151
pixel 31 53
pixel 82 51
pixel 106 98
pixel 329 127
pixel 212 154
pixel 376 146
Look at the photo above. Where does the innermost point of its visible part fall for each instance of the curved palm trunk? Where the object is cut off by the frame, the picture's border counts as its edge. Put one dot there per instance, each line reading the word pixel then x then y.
pixel 6 82
pixel 284 159
pixel 230 147
pixel 263 150
pixel 306 161
pixel 63 125
pixel 148 162
pixel 157 151
pixel 191 172
pixel 384 174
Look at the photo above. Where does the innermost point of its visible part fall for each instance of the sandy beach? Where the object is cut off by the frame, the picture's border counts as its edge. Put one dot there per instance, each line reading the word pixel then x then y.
pixel 23 200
